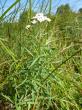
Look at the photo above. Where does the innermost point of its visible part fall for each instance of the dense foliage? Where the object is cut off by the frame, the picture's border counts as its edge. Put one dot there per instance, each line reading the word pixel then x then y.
pixel 41 68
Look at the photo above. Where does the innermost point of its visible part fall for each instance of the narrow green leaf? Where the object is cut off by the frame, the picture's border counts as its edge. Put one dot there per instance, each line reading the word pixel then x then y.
pixel 8 51
pixel 1 17
pixel 7 97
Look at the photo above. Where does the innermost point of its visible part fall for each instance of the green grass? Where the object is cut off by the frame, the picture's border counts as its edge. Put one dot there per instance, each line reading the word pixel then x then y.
pixel 40 68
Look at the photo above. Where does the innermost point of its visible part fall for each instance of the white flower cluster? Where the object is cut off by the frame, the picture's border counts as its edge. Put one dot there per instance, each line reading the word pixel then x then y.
pixel 39 17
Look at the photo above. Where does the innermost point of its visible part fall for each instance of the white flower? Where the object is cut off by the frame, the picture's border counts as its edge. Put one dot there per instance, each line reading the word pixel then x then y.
pixel 34 21
pixel 28 26
pixel 40 17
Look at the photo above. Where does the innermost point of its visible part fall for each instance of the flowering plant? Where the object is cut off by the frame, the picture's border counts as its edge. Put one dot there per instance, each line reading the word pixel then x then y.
pixel 39 17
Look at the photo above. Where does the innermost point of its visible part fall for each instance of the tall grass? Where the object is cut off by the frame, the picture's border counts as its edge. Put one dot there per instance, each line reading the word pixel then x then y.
pixel 38 66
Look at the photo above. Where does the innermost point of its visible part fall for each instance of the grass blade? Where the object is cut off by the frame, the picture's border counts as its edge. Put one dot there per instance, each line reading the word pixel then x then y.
pixel 1 17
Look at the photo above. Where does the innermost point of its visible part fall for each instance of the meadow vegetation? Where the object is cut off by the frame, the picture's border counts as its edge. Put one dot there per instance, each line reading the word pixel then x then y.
pixel 41 67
